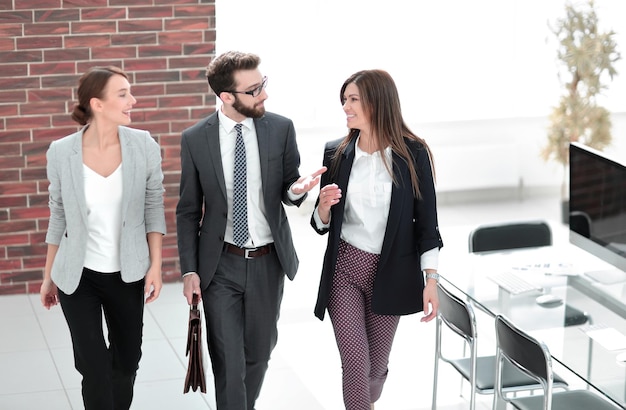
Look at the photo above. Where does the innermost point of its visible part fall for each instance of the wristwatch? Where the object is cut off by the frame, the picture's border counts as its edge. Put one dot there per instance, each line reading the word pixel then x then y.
pixel 432 276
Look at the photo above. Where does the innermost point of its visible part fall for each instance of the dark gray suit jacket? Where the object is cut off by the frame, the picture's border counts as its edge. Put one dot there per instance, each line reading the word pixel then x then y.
pixel 202 208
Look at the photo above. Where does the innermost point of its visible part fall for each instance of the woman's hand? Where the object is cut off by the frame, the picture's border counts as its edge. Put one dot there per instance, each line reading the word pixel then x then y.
pixel 431 299
pixel 329 196
pixel 154 283
pixel 49 294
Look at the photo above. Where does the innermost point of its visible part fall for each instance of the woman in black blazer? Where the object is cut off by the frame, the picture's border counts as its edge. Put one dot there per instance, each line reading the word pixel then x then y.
pixel 377 202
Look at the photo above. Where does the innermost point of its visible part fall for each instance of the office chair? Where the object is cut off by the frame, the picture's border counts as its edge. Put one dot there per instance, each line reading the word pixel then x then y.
pixel 517 235
pixel 517 348
pixel 513 235
pixel 459 317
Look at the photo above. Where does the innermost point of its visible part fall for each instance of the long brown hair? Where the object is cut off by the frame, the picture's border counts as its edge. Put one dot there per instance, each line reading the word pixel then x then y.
pixel 379 96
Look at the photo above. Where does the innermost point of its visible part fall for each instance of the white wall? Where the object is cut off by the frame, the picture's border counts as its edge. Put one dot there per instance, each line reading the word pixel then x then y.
pixel 476 78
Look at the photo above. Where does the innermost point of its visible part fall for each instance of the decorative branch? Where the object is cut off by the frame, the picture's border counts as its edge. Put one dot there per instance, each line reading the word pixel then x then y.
pixel 587 58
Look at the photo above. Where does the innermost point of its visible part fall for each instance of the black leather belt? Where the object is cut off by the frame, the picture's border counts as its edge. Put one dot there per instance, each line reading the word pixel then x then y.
pixel 249 253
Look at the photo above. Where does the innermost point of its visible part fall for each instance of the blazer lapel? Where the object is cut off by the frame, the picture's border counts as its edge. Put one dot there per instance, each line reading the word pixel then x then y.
pixel 401 174
pixel 77 172
pixel 263 140
pixel 343 177
pixel 128 172
pixel 215 152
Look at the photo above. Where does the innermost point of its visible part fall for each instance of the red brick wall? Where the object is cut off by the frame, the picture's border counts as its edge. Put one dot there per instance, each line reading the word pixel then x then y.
pixel 45 45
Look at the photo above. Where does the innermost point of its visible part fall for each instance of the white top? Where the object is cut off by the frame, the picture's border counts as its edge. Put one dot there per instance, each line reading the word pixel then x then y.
pixel 367 201
pixel 104 219
pixel 258 227
pixel 367 205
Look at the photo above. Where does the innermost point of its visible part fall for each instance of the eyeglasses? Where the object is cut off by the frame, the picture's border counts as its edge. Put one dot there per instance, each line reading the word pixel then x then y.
pixel 255 92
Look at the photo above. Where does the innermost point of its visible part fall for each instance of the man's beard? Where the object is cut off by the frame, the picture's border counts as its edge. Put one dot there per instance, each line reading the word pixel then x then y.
pixel 251 112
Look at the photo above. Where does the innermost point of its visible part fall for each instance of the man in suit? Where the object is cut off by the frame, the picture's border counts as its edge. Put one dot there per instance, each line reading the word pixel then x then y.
pixel 240 276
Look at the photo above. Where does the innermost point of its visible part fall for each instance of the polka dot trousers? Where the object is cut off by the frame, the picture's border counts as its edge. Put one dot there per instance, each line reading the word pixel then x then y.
pixel 364 339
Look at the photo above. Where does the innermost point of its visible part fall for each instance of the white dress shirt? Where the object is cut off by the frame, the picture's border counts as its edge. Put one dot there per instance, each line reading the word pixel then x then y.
pixel 367 201
pixel 367 205
pixel 258 227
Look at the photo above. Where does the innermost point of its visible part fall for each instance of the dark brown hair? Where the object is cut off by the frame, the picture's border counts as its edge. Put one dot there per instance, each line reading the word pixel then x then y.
pixel 221 71
pixel 379 97
pixel 92 85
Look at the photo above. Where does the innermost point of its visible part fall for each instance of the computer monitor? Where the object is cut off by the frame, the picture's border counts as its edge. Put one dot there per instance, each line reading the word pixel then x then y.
pixel 597 204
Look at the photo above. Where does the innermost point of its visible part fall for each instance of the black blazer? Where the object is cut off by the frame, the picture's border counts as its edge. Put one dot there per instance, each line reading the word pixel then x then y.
pixel 411 230
pixel 202 211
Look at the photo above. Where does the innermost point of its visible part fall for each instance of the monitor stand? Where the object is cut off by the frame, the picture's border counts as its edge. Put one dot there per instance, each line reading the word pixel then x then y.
pixel 608 276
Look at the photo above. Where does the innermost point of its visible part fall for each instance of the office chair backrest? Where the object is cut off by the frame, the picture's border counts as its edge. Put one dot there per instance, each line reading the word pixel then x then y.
pixel 457 314
pixel 495 237
pixel 533 358
pixel 523 350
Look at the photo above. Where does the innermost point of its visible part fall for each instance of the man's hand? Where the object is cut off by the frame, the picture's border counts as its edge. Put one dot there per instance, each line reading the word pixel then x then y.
pixel 191 286
pixel 306 183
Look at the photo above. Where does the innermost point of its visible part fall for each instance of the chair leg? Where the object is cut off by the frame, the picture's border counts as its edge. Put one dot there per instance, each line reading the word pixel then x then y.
pixel 434 401
pixel 462 378
pixel 474 355
pixel 499 404
pixel 590 361
pixel 437 356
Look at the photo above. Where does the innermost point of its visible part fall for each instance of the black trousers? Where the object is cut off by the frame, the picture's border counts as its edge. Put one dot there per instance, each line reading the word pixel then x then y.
pixel 108 369
pixel 241 306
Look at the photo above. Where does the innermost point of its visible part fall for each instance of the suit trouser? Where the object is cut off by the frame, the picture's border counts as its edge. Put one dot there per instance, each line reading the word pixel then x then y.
pixel 241 306
pixel 108 371
pixel 364 338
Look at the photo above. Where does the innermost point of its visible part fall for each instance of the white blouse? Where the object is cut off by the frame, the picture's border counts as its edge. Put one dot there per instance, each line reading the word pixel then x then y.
pixel 368 201
pixel 104 219
pixel 367 205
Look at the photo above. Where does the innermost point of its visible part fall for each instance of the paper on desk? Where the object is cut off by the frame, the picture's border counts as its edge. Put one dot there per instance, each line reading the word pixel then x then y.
pixel 549 268
pixel 608 337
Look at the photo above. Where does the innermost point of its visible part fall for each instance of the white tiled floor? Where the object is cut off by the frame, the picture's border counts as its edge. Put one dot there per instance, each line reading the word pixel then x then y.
pixel 36 364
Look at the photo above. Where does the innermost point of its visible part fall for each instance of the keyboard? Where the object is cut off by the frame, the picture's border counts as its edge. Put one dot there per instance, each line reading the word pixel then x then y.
pixel 513 283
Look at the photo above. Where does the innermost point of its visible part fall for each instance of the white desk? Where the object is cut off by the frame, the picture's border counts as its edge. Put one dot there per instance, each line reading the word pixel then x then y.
pixel 559 271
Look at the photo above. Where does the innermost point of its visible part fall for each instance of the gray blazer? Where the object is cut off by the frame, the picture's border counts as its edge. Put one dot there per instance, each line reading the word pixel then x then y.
pixel 142 205
pixel 202 208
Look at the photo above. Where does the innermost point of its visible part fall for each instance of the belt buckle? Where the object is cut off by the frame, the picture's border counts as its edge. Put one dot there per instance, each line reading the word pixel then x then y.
pixel 247 251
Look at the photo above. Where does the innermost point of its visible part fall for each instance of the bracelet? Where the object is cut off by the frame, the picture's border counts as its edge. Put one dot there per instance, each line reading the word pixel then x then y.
pixel 432 276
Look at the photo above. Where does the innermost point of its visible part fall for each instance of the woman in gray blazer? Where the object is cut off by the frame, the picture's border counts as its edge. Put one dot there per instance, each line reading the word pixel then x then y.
pixel 104 236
